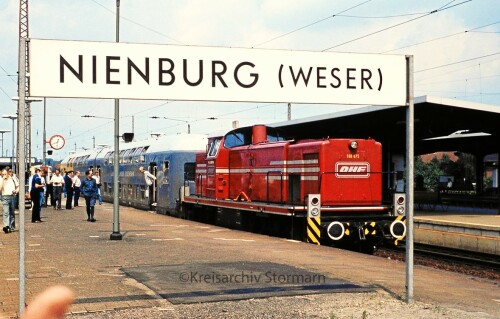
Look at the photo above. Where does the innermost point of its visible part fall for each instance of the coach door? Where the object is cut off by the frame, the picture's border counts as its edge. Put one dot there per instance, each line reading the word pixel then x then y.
pixel 153 189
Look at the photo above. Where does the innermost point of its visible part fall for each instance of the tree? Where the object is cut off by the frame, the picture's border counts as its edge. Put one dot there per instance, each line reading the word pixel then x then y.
pixel 430 172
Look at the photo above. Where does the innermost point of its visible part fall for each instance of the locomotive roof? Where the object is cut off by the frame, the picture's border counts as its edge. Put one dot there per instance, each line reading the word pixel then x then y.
pixel 434 117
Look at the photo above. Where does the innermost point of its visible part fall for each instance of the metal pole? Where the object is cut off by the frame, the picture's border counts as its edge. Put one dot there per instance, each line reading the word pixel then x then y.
pixel 12 150
pixel 22 167
pixel 116 235
pixel 289 115
pixel 409 179
pixel 44 131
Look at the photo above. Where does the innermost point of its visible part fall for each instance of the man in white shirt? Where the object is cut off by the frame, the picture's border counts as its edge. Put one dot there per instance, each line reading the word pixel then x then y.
pixel 149 178
pixel 14 198
pixel 57 182
pixel 76 187
pixel 8 191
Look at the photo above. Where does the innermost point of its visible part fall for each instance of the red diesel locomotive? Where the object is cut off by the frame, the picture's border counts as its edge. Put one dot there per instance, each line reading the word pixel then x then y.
pixel 327 190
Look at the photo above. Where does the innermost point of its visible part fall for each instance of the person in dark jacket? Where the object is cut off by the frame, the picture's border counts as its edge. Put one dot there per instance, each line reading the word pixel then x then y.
pixel 90 192
pixel 37 187
pixel 68 186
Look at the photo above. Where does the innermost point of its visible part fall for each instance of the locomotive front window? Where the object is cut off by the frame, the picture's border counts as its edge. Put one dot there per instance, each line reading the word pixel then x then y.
pixel 214 147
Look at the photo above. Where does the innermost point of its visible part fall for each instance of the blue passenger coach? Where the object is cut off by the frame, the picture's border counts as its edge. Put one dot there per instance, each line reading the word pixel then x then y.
pixel 171 159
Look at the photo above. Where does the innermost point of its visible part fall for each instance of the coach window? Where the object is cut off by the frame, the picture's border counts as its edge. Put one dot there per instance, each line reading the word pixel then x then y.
pixel 214 147
pixel 142 157
pixel 131 155
pixel 126 159
pixel 137 154
pixel 111 158
pixel 189 171
pixel 121 156
pixel 106 158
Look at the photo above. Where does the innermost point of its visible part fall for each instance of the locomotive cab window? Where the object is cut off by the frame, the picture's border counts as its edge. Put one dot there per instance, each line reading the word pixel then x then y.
pixel 274 135
pixel 235 139
pixel 214 147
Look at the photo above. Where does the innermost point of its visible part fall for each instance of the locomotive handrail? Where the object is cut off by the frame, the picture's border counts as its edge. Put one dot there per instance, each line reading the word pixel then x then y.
pixel 267 185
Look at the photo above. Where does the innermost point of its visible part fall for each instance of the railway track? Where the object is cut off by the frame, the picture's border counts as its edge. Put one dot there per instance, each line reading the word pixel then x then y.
pixel 461 256
pixel 466 262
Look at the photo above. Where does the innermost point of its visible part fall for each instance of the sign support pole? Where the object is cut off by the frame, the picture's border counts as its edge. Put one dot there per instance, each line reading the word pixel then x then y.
pixel 21 133
pixel 116 235
pixel 409 178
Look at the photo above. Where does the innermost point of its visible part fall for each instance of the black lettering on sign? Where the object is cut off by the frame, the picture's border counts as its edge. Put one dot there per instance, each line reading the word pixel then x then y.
pixel 218 74
pixel 255 76
pixel 109 70
pixel 144 75
pixel 162 71
pixel 63 63
pixel 200 72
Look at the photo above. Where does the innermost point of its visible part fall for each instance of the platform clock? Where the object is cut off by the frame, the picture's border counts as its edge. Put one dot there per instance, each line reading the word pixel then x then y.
pixel 57 142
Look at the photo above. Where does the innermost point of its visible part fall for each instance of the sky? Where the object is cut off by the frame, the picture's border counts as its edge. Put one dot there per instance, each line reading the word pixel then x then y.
pixel 455 44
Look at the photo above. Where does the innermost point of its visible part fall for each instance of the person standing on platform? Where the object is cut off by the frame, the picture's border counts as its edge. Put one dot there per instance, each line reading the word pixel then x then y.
pixel 37 187
pixel 68 186
pixel 57 182
pixel 76 187
pixel 149 178
pixel 14 198
pixel 42 193
pixel 97 177
pixel 49 193
pixel 30 183
pixel 90 192
pixel 8 191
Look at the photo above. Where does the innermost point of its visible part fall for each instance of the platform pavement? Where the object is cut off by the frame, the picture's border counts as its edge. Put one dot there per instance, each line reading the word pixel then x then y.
pixel 66 249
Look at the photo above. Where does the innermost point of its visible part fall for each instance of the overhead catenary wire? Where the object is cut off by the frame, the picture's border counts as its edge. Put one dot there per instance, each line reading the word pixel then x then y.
pixel 395 25
pixel 138 24
pixel 457 62
pixel 311 24
pixel 444 37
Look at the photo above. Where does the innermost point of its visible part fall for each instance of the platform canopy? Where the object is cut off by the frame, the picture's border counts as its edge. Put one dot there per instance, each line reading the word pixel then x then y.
pixel 440 125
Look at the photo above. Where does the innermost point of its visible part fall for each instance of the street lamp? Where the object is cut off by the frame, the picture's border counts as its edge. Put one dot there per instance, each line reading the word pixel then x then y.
pixel 12 117
pixel 2 132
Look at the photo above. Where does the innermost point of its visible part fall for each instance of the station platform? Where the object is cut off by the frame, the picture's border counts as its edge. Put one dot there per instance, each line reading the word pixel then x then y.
pixel 148 268
pixel 470 229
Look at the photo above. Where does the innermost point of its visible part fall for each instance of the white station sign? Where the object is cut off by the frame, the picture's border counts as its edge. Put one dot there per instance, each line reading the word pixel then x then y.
pixel 81 69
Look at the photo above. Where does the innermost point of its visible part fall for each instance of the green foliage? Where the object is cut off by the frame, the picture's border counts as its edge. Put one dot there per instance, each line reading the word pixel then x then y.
pixel 429 172
pixel 464 171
